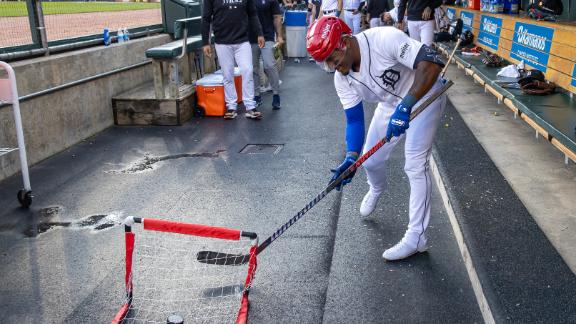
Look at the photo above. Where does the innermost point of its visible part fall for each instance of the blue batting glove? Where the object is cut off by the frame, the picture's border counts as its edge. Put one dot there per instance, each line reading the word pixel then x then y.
pixel 400 119
pixel 348 161
pixel 338 13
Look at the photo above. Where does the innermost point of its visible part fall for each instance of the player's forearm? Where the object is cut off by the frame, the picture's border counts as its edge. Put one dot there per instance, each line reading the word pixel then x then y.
pixel 340 5
pixel 427 73
pixel 278 25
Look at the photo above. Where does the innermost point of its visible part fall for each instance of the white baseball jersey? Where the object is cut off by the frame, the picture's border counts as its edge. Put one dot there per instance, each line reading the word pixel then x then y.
pixel 386 69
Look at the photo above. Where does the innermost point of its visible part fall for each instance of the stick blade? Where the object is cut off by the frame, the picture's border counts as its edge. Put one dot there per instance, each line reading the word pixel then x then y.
pixel 211 257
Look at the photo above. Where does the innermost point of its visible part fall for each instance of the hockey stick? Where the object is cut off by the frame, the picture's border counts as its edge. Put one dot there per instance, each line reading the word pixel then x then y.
pixel 220 258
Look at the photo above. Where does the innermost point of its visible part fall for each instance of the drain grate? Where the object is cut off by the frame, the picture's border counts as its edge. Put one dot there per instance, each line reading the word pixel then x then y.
pixel 262 149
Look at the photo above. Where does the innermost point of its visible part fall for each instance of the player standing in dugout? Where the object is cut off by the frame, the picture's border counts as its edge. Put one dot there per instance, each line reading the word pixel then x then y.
pixel 380 65
pixel 231 20
pixel 421 23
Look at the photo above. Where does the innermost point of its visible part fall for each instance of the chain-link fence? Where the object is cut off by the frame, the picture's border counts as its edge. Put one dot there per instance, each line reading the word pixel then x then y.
pixel 14 25
pixel 65 20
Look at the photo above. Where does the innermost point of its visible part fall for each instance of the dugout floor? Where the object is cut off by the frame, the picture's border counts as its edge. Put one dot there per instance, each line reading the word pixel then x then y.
pixel 62 260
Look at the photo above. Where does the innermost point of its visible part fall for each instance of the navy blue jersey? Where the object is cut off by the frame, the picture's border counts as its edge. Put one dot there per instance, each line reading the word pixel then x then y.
pixel 266 9
pixel 231 21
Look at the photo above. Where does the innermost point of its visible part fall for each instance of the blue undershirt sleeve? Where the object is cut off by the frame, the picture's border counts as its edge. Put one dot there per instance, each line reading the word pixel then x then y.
pixel 355 128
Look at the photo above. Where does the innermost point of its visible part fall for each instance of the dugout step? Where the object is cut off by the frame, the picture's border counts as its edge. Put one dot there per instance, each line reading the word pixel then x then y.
pixel 139 106
pixel 523 277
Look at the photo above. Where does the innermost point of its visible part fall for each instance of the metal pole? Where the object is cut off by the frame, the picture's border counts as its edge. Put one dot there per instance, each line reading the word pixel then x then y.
pixel 42 27
pixel 37 27
pixel 18 120
pixel 33 21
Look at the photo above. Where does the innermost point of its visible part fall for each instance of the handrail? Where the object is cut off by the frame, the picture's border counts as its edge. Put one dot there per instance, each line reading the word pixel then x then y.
pixel 77 82
pixel 185 22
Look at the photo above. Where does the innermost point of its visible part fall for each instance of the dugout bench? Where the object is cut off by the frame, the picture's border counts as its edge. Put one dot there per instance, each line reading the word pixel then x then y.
pixel 552 116
pixel 182 54
pixel 171 98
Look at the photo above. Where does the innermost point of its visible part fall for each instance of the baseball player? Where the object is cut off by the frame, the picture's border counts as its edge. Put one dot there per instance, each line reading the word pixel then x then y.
pixel 421 23
pixel 384 65
pixel 352 15
pixel 270 18
pixel 231 20
pixel 331 8
pixel 375 9
pixel 391 17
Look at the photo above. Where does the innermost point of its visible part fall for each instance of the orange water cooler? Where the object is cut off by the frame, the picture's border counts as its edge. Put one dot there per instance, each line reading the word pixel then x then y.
pixel 210 95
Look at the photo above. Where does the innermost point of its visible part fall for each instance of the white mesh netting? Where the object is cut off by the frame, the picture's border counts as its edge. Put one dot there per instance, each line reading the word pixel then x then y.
pixel 168 279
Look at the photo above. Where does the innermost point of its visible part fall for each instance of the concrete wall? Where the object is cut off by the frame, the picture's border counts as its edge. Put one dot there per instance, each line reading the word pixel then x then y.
pixel 59 120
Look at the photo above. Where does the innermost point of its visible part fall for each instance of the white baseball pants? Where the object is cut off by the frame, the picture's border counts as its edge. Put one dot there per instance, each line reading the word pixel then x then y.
pixel 422 31
pixel 241 54
pixel 353 21
pixel 417 150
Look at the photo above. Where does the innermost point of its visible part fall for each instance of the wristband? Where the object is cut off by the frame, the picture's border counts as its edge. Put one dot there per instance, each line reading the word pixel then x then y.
pixel 407 103
pixel 352 155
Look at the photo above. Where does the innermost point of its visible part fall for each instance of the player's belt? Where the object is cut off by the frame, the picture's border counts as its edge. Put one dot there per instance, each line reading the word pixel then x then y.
pixel 329 11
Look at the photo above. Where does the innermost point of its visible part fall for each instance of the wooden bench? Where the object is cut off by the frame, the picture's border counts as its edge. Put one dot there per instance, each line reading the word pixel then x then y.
pixel 553 116
pixel 497 35
pixel 172 101
pixel 184 59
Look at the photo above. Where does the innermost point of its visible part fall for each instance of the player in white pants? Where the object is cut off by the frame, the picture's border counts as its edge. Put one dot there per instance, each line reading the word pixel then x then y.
pixel 242 55
pixel 380 65
pixel 352 15
pixel 331 8
pixel 421 23
pixel 231 22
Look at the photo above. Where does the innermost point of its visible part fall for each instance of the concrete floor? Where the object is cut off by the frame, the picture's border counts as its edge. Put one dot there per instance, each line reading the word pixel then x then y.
pixel 533 167
pixel 327 268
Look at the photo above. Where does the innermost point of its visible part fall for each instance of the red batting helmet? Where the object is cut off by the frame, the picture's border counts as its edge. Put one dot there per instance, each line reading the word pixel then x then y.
pixel 324 36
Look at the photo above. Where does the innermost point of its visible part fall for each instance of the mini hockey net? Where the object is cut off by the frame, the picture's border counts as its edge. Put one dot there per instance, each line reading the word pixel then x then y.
pixel 164 277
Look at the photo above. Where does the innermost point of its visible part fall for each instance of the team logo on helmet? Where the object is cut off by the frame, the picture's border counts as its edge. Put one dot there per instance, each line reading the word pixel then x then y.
pixel 325 31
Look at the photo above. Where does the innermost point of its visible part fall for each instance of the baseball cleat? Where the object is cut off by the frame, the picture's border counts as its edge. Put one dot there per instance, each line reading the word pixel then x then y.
pixel 369 203
pixel 402 250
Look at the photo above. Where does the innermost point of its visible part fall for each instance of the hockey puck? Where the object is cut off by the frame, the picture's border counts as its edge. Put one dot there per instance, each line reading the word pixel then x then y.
pixel 175 319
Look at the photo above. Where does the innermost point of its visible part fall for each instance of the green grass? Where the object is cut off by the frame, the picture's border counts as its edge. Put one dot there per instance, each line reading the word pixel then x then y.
pixel 18 9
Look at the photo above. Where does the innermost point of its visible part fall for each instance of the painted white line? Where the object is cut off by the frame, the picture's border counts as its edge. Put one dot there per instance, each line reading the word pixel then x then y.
pixel 476 285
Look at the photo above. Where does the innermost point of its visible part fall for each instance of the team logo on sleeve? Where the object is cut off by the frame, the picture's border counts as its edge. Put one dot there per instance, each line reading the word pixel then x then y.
pixel 404 49
pixel 390 78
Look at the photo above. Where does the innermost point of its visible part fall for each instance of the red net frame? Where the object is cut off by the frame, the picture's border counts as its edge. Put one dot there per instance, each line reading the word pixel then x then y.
pixel 193 230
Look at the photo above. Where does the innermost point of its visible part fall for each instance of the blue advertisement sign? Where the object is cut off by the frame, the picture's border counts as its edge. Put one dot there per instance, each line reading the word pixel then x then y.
pixel 467 20
pixel 574 76
pixel 451 13
pixel 532 44
pixel 489 34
